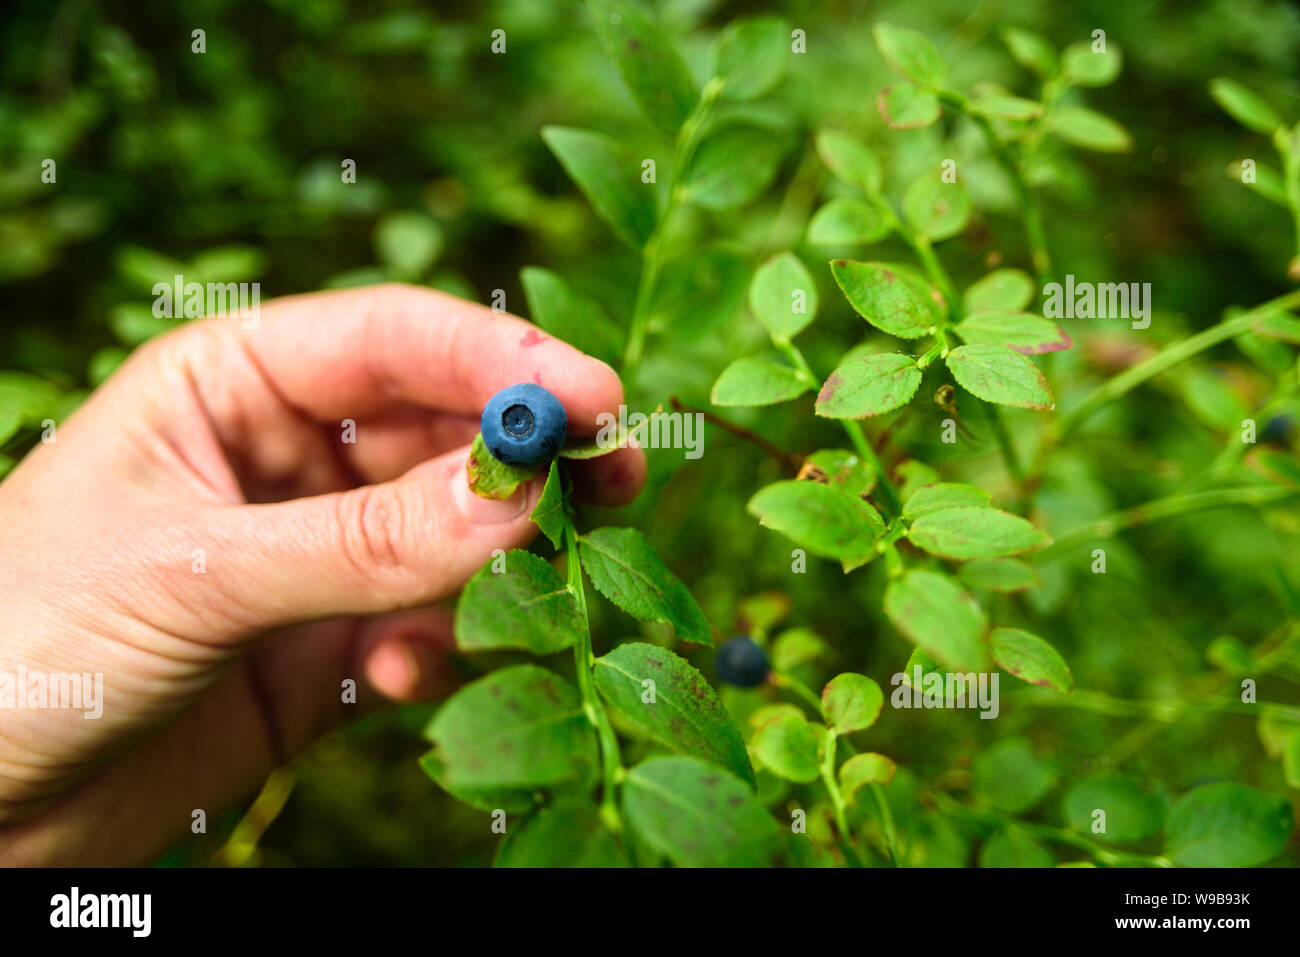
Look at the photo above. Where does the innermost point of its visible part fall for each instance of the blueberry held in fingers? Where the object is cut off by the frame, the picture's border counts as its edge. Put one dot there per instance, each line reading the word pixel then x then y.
pixel 740 662
pixel 524 425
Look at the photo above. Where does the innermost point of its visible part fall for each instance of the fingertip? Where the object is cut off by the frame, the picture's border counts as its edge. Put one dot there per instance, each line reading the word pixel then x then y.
pixel 611 480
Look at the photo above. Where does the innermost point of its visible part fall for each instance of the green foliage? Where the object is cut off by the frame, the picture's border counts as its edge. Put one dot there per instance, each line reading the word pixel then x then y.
pixel 626 570
pixel 679 709
pixel 931 424
pixel 525 606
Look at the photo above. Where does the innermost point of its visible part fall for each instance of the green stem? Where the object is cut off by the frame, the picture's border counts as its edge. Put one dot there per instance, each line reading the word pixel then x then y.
pixel 583 662
pixel 851 426
pixel 1058 835
pixel 1167 712
pixel 1168 357
pixel 837 801
pixel 1174 505
pixel 934 269
pixel 1030 213
pixel 887 822
pixel 652 262
pixel 1291 178
pixel 939 276
pixel 783 680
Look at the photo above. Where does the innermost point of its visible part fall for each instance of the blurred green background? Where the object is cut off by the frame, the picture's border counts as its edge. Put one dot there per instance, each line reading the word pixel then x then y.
pixel 225 165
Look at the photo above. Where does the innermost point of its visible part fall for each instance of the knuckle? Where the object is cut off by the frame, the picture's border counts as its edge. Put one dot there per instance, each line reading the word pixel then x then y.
pixel 375 534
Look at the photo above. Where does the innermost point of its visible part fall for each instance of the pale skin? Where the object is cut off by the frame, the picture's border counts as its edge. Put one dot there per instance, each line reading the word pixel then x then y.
pixel 201 535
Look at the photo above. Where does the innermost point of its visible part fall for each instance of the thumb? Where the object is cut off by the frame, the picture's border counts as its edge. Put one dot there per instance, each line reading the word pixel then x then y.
pixel 400 544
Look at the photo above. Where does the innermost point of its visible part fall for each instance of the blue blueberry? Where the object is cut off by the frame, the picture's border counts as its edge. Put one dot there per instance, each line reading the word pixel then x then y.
pixel 740 662
pixel 524 425
pixel 1279 429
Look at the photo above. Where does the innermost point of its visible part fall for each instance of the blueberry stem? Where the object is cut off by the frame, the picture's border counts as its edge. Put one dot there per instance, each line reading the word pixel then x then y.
pixel 583 661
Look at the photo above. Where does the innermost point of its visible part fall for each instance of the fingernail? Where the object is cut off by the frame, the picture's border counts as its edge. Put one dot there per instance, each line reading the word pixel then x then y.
pixel 486 511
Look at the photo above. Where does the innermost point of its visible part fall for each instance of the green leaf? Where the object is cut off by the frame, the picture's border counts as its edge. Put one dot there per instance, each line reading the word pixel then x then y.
pixel 491 478
pixel 1083 67
pixel 1026 333
pixel 1132 813
pixel 698 293
pixel 526 606
pixel 941 495
pixel 1227 825
pixel 919 659
pixel 935 614
pixel 733 166
pixel 608 176
pixel 1009 777
pixel 1002 289
pixel 698 815
pixel 652 69
pixel 134 323
pixel 1030 658
pixel 1031 51
pixel 851 702
pixel 787 746
pixel 233 263
pixel 798 646
pixel 905 107
pixel 1001 375
pixel 1012 847
pixel 570 315
pixel 143 268
pixel 752 382
pixel 974 532
pixel 863 769
pixel 515 728
pixel 783 295
pixel 910 53
pixel 408 243
pixel 11 420
pixel 752 55
pixel 842 469
pixel 1001 107
pixel 762 611
pixel 936 209
pixel 869 385
pixel 844 221
pixel 1089 129
pixel 626 570
pixel 564 835
pixel 850 161
pixel 680 710
pixel 548 513
pixel 1267 181
pixel 999 574
pixel 823 519
pixel 1244 105
pixel 510 800
pixel 882 296
pixel 32 398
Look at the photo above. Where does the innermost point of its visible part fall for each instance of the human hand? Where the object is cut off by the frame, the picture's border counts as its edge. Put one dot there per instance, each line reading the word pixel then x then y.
pixel 201 534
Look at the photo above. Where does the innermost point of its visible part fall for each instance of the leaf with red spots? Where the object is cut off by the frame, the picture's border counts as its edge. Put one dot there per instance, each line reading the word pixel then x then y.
pixel 663 695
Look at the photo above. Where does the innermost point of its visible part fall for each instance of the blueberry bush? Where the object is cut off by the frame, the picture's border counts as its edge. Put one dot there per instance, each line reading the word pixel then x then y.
pixel 997 367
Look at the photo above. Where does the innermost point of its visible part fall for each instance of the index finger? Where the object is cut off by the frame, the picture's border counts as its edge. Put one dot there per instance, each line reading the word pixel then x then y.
pixel 358 351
